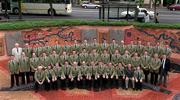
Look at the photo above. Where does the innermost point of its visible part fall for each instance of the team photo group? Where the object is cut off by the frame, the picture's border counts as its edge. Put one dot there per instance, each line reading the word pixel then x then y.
pixel 91 66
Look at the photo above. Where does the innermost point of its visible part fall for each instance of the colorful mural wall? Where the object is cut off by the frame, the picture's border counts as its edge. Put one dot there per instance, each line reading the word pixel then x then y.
pixel 50 36
pixel 164 36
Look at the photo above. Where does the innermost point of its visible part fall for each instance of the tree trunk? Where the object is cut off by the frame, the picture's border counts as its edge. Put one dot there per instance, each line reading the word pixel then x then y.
pixel 19 6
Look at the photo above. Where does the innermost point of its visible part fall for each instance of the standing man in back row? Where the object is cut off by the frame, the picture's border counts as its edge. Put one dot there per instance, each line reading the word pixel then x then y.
pixel 16 51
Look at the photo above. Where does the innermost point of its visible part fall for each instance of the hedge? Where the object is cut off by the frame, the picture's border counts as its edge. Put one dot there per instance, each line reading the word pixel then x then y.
pixel 18 25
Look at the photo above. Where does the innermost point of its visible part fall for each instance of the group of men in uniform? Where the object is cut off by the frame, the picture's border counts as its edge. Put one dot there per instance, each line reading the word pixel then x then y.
pixel 88 65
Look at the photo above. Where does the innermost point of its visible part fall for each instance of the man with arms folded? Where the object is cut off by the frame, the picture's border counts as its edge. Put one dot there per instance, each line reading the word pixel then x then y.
pixel 40 77
pixel 139 76
pixel 129 75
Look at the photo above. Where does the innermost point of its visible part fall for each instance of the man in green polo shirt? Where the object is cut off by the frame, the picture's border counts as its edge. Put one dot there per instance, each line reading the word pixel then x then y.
pixel 27 50
pixel 14 71
pixel 24 68
pixel 105 57
pixel 54 58
pixel 40 77
pixel 113 46
pixel 122 47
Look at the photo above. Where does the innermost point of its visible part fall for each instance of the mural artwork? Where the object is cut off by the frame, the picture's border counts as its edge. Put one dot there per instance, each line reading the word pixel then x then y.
pixel 49 36
pixel 164 36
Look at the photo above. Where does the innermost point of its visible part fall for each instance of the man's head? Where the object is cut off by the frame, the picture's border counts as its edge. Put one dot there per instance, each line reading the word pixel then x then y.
pixel 27 45
pixel 126 52
pixel 94 50
pixel 16 45
pixel 100 63
pixel 40 68
pixel 156 55
pixel 148 43
pixel 57 64
pixel 34 54
pixel 74 52
pixel 75 41
pixel 113 41
pixel 105 51
pixel 146 53
pixel 135 54
pixel 157 44
pixel 164 56
pixel 119 64
pixel 57 42
pixel 64 52
pixel 85 41
pixel 83 62
pixel 139 42
pixel 54 52
pixel 66 62
pixel 12 57
pixel 75 63
pixel 138 68
pixel 44 54
pixel 109 64
pixel 95 40
pixel 92 63
pixel 23 54
pixel 84 49
pixel 122 42
pixel 166 46
pixel 104 41
pixel 116 51
pixel 49 66
pixel 129 65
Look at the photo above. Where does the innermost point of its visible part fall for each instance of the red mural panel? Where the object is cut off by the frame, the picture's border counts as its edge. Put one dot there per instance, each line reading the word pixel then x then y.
pixel 49 36
pixel 165 36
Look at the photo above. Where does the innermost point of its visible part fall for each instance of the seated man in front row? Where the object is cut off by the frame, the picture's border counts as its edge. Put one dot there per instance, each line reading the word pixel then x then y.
pixel 40 77
pixel 129 75
pixel 139 76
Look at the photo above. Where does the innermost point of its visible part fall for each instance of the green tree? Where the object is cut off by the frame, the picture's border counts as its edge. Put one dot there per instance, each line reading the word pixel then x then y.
pixel 140 3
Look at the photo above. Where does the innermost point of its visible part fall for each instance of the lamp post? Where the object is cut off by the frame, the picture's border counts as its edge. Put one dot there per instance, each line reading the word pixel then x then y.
pixel 19 6
pixel 127 16
pixel 103 10
pixel 6 15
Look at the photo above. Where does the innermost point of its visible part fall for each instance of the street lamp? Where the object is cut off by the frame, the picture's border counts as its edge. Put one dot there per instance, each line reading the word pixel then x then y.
pixel 127 16
pixel 6 15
